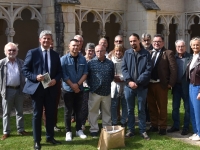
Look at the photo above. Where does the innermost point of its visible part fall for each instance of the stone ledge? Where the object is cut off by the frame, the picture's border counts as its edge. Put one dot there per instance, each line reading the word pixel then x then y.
pixel 75 2
pixel 149 5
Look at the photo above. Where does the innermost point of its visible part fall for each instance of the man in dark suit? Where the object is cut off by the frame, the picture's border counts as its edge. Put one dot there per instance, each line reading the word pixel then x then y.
pixel 39 61
pixel 163 77
pixel 181 89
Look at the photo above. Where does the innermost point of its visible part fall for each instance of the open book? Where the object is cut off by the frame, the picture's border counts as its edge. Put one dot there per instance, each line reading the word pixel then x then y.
pixel 46 80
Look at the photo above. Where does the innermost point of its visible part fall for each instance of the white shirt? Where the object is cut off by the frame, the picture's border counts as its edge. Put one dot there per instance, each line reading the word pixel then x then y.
pixel 194 59
pixel 12 74
pixel 48 57
pixel 156 55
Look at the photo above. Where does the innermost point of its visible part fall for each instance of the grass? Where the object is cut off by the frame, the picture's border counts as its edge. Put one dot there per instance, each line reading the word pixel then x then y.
pixel 16 142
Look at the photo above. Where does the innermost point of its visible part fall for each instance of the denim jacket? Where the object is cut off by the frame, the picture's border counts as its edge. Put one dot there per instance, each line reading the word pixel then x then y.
pixel 69 72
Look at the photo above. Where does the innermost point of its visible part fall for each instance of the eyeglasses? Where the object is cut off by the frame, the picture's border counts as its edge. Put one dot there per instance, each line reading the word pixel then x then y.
pixel 118 41
pixel 13 50
pixel 157 41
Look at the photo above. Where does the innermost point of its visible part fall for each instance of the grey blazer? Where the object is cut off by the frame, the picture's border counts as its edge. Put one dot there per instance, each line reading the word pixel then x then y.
pixel 3 79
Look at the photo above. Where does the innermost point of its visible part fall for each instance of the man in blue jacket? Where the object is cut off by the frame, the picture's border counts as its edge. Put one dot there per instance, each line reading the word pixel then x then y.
pixel 136 70
pixel 39 61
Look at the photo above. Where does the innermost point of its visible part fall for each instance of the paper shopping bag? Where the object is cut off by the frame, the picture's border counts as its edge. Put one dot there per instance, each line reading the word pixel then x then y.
pixel 111 137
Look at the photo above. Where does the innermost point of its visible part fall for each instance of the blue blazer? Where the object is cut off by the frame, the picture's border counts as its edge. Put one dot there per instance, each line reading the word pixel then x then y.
pixel 34 65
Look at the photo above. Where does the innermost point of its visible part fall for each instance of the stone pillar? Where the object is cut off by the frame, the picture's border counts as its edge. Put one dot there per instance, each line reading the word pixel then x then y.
pixel 139 20
pixel 69 23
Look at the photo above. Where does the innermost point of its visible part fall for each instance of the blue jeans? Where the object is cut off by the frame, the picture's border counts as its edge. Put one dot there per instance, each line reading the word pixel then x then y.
pixel 194 108
pixel 114 106
pixel 141 95
pixel 178 93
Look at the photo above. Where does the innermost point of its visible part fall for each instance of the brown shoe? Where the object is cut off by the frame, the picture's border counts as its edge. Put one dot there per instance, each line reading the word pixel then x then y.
pixel 23 133
pixel 5 136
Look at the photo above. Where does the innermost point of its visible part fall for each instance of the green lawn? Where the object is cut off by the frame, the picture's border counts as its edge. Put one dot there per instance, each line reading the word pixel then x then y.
pixel 15 142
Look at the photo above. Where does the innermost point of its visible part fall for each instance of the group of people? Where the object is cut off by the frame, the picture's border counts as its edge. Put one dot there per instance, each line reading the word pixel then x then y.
pixel 94 80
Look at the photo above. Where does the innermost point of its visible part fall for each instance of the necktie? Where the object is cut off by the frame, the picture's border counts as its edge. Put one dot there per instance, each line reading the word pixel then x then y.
pixel 46 61
pixel 153 59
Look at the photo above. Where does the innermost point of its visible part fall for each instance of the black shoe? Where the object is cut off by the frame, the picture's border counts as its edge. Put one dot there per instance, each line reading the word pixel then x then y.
pixel 184 132
pixel 53 141
pixel 94 134
pixel 129 134
pixel 124 125
pixel 162 132
pixel 172 129
pixel 37 146
pixel 152 129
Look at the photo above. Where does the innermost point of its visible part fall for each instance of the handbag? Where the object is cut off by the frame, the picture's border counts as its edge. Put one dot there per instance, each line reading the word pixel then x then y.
pixel 111 137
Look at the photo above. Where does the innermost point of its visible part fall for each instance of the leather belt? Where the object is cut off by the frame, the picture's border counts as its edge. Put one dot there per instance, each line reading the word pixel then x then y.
pixel 154 81
pixel 13 87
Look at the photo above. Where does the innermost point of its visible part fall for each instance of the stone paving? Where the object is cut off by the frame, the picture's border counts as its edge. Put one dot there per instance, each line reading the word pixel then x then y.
pixel 175 135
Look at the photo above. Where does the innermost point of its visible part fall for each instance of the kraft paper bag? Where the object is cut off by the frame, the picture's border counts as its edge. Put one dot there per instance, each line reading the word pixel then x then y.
pixel 111 137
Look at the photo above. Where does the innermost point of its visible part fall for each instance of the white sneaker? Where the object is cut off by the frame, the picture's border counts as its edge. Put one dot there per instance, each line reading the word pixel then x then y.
pixel 193 135
pixel 68 136
pixel 196 138
pixel 81 134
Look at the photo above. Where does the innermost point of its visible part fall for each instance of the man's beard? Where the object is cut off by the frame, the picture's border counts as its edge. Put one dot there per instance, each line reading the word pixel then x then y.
pixel 134 46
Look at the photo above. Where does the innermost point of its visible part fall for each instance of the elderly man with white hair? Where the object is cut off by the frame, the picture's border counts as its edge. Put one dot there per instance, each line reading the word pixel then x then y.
pixel 11 84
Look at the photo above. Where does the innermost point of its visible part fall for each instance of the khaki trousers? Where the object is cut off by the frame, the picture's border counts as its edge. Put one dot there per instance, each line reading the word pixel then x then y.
pixel 157 99
pixel 94 103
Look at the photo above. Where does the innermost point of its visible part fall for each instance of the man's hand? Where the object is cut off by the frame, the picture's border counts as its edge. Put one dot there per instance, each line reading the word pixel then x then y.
pixel 198 96
pixel 52 82
pixel 40 77
pixel 132 84
pixel 75 87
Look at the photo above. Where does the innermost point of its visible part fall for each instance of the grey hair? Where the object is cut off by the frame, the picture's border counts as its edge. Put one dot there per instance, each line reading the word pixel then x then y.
pixel 146 35
pixel 120 36
pixel 194 39
pixel 180 40
pixel 46 32
pixel 78 36
pixel 104 39
pixel 90 46
pixel 11 43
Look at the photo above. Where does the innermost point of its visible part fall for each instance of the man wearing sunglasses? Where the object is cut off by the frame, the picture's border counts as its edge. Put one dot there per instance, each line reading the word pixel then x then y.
pixel 11 83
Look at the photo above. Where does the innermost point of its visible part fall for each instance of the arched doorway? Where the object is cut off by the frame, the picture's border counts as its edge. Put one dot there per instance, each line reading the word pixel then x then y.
pixel 90 30
pixel 195 28
pixel 112 29
pixel 172 35
pixel 26 33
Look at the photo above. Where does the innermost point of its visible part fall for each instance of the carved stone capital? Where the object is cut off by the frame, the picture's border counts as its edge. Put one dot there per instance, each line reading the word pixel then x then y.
pixel 10 32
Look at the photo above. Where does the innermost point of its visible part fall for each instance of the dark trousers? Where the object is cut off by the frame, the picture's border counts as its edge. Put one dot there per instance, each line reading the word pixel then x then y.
pixel 157 101
pixel 73 101
pixel 84 112
pixel 179 93
pixel 56 106
pixel 43 97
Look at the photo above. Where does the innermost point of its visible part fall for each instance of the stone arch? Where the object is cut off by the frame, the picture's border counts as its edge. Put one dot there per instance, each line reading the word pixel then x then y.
pixel 119 19
pixel 5 15
pixel 26 32
pixel 81 16
pixel 35 15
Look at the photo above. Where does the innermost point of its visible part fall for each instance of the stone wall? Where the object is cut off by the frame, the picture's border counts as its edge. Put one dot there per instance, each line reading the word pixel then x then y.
pixel 192 5
pixel 139 20
pixel 171 5
pixel 24 1
pixel 104 4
